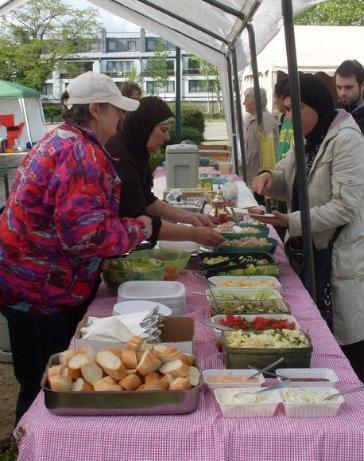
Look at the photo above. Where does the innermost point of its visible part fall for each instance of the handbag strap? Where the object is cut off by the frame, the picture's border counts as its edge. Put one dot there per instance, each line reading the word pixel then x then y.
pixel 336 235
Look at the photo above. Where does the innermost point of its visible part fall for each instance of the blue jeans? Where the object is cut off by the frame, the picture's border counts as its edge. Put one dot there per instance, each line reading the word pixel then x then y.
pixel 33 339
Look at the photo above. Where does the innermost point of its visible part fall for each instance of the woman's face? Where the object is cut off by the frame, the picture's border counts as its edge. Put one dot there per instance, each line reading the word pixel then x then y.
pixel 105 120
pixel 159 136
pixel 309 116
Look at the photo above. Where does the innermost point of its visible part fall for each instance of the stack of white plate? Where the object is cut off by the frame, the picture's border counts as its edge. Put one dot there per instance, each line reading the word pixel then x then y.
pixel 169 293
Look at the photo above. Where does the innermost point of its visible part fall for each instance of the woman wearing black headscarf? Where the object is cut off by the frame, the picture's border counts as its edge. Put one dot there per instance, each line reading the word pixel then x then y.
pixel 142 133
pixel 334 154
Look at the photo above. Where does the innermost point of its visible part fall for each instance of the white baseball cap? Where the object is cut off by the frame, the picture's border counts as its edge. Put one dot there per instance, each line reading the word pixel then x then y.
pixel 95 87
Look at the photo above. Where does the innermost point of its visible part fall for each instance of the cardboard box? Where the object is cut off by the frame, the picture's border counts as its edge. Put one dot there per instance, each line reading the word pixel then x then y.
pixel 176 331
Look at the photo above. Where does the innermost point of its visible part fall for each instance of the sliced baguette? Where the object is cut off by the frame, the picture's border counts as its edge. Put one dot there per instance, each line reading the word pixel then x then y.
pixel 176 368
pixel 81 385
pixel 135 343
pixel 76 363
pixel 107 384
pixel 55 370
pixel 60 383
pixel 129 358
pixel 188 359
pixel 91 373
pixel 152 376
pixel 65 356
pixel 148 363
pixel 194 376
pixel 166 353
pixel 180 384
pixel 111 364
pixel 130 382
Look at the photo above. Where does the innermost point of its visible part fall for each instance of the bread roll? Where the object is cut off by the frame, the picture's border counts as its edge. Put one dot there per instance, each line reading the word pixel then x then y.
pixel 55 370
pixel 107 384
pixel 87 350
pixel 65 356
pixel 111 364
pixel 91 372
pixel 149 362
pixel 129 358
pixel 176 368
pixel 76 363
pixel 130 382
pixel 81 385
pixel 180 384
pixel 135 343
pixel 60 383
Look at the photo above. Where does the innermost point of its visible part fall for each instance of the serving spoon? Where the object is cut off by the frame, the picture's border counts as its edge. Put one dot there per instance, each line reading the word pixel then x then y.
pixel 348 391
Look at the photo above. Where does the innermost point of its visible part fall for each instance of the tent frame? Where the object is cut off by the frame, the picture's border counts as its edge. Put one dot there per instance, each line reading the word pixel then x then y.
pixel 235 105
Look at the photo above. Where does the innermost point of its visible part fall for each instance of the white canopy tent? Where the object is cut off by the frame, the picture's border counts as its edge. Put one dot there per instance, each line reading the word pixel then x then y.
pixel 227 34
pixel 189 23
pixel 319 49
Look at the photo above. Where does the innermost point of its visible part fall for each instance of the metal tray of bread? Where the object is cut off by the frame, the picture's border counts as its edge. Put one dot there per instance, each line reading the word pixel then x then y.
pixel 101 403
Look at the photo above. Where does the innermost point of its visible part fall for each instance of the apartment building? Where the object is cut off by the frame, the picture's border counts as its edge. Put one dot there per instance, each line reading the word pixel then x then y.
pixel 118 52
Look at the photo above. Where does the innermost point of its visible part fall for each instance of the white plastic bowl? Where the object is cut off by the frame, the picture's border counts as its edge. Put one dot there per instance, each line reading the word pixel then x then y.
pixel 326 409
pixel 179 246
pixel 207 374
pixel 325 373
pixel 239 410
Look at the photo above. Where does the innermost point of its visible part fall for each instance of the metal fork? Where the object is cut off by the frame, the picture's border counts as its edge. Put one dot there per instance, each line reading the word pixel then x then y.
pixel 268 367
pixel 266 389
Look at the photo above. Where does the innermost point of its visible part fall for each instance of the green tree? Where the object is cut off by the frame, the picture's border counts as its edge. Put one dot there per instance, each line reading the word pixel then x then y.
pixel 211 83
pixel 157 68
pixel 333 13
pixel 134 76
pixel 36 38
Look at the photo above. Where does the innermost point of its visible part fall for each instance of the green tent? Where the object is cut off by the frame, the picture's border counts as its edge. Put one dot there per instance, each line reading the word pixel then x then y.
pixel 24 105
pixel 13 90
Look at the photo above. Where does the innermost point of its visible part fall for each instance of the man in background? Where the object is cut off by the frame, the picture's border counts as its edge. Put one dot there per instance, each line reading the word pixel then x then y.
pixel 349 80
pixel 131 90
pixel 252 151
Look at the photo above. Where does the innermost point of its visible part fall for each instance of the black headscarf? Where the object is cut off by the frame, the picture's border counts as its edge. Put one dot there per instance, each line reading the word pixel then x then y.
pixel 315 95
pixel 138 125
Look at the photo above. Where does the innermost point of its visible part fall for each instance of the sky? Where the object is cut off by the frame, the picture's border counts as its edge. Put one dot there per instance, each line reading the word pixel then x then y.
pixel 112 22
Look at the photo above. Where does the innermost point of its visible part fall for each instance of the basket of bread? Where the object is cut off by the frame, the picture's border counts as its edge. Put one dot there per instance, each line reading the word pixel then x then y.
pixel 139 379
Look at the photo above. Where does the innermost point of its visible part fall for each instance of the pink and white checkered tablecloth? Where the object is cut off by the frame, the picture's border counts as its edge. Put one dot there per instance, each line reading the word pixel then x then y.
pixel 205 434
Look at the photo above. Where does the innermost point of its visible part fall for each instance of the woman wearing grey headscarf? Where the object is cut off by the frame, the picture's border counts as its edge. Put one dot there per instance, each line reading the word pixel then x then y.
pixel 334 153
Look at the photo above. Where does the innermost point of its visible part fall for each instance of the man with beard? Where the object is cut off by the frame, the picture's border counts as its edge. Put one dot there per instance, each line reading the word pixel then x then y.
pixel 349 79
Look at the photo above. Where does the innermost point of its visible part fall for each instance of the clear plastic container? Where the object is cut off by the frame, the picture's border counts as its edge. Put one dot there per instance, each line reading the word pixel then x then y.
pixel 230 192
pixel 309 377
pixel 266 407
pixel 325 409
pixel 216 379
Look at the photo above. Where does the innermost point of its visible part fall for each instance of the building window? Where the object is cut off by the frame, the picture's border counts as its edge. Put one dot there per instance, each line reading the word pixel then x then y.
pixel 201 86
pixel 150 44
pixel 131 45
pixel 118 68
pixel 48 89
pixel 158 87
pixel 111 45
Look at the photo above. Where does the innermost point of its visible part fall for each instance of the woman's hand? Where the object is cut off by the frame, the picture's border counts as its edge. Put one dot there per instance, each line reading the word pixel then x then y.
pixel 198 219
pixel 207 236
pixel 148 225
pixel 262 183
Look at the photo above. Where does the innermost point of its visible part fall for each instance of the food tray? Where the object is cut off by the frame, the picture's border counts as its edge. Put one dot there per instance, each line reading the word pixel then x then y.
pixel 118 403
pixel 251 258
pixel 246 373
pixel 250 318
pixel 271 282
pixel 325 373
pixel 247 409
pixel 314 410
pixel 269 306
pixel 270 248
pixel 260 232
pixel 295 357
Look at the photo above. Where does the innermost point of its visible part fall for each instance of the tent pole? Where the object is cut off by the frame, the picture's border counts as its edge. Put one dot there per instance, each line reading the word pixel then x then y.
pixel 299 146
pixel 254 66
pixel 22 105
pixel 178 96
pixel 233 123
pixel 238 113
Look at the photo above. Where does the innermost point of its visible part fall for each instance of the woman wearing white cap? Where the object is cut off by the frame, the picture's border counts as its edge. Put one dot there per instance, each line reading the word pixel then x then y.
pixel 60 221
